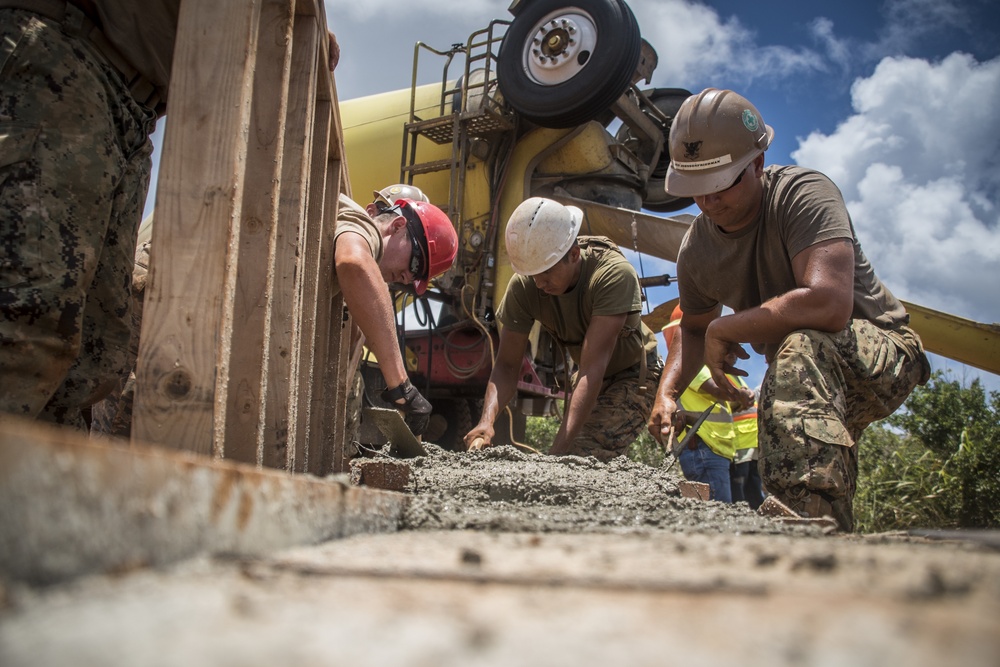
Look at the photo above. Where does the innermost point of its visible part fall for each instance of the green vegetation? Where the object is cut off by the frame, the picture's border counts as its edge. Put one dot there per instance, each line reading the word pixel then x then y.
pixel 933 464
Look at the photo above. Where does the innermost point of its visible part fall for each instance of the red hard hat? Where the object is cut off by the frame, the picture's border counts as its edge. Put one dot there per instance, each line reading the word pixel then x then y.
pixel 440 240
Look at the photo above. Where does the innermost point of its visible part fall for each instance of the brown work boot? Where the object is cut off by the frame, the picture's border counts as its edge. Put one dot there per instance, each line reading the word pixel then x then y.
pixel 815 505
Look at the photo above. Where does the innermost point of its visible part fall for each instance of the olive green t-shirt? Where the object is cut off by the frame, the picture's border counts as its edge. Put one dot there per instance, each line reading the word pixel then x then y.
pixel 608 285
pixel 743 269
pixel 352 218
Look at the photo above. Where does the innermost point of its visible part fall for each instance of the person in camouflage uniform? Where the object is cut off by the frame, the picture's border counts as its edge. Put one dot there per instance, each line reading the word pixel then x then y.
pixel 74 169
pixel 113 415
pixel 777 245
pixel 584 292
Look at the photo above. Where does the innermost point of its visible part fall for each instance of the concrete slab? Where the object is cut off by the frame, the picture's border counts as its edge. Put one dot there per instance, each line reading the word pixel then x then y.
pixel 498 599
pixel 70 505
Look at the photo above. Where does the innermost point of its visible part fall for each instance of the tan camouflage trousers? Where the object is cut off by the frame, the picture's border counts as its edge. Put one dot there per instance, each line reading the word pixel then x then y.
pixel 619 416
pixel 74 169
pixel 820 392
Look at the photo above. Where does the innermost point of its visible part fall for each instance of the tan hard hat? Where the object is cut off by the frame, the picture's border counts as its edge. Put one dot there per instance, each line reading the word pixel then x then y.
pixel 539 233
pixel 392 193
pixel 713 138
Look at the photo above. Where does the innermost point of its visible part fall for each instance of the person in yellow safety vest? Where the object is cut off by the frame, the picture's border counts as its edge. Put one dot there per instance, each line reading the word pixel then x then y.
pixel 708 455
pixel 744 477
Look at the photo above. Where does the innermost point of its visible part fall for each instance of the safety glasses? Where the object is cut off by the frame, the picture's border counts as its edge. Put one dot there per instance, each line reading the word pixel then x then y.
pixel 734 183
pixel 418 260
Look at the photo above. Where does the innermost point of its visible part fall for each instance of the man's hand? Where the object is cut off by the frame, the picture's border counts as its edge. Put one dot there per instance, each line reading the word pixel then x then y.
pixel 559 448
pixel 334 51
pixel 717 358
pixel 483 433
pixel 665 420
pixel 416 409
pixel 747 399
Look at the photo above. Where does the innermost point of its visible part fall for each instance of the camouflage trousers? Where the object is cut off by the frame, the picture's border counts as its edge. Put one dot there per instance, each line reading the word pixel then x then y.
pixel 74 169
pixel 113 415
pixel 620 414
pixel 820 392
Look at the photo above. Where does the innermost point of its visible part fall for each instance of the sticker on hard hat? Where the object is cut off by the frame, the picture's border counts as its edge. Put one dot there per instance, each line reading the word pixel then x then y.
pixel 750 120
pixel 703 164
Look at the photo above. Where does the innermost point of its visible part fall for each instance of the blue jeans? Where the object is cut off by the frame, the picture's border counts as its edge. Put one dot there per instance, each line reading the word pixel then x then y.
pixel 746 484
pixel 704 465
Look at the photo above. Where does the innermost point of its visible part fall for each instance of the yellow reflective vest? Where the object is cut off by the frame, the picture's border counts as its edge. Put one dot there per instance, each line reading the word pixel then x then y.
pixel 717 431
pixel 745 423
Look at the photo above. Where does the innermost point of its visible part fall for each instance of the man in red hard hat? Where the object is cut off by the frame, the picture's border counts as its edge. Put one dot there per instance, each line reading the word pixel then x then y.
pixel 405 241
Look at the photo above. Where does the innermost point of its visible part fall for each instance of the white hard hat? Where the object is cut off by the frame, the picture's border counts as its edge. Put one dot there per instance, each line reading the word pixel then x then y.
pixel 539 233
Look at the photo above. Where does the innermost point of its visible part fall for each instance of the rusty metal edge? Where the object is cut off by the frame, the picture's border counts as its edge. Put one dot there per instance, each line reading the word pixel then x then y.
pixel 71 505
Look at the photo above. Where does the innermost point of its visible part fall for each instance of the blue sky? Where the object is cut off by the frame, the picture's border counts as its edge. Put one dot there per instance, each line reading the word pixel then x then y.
pixel 896 100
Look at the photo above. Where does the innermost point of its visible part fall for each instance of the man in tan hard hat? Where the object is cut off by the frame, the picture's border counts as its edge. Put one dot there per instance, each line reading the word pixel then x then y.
pixel 778 247
pixel 586 295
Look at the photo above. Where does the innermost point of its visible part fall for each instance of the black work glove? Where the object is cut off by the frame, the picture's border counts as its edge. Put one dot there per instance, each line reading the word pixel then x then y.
pixel 416 409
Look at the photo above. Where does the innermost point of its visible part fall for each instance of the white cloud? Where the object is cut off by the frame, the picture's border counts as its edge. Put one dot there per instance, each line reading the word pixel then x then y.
pixel 392 11
pixel 910 21
pixel 917 163
pixel 695 44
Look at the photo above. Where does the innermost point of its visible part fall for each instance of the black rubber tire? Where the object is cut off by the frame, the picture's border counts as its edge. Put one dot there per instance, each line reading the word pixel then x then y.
pixel 602 78
pixel 457 412
pixel 667 100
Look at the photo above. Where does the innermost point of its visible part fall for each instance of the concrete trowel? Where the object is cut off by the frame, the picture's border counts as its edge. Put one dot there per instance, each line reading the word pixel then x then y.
pixel 402 443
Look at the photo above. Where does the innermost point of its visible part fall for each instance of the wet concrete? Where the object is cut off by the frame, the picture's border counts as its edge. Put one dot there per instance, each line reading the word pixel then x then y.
pixel 503 489
pixel 512 559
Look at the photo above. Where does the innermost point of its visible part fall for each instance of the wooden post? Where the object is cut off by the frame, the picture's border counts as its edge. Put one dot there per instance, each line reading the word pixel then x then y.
pixel 241 349
pixel 246 433
pixel 184 351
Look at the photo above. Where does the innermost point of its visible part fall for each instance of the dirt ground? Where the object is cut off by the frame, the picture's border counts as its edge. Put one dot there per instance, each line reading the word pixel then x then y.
pixel 512 559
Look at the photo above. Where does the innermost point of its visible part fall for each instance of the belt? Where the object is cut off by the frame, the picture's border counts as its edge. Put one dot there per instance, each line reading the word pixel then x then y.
pixel 80 18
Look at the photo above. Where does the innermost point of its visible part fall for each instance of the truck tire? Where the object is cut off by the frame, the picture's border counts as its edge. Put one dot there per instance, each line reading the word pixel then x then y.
pixel 563 63
pixel 667 100
pixel 458 420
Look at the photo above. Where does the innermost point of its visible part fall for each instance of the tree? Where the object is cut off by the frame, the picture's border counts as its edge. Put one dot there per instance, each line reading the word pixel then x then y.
pixel 933 464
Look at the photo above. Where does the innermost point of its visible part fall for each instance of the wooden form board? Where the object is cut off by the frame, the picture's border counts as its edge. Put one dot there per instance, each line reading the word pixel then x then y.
pixel 241 354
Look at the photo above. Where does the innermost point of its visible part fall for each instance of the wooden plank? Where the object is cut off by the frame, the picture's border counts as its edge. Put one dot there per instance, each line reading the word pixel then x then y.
pixel 244 437
pixel 317 9
pixel 339 373
pixel 279 401
pixel 316 293
pixel 183 367
pixel 337 376
pixel 339 380
pixel 71 505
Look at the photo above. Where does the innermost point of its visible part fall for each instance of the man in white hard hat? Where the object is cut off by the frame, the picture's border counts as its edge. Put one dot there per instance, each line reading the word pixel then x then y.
pixel 584 292
pixel 778 247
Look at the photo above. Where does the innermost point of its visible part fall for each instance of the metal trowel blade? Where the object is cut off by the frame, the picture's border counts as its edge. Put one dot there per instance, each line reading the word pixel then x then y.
pixel 402 443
